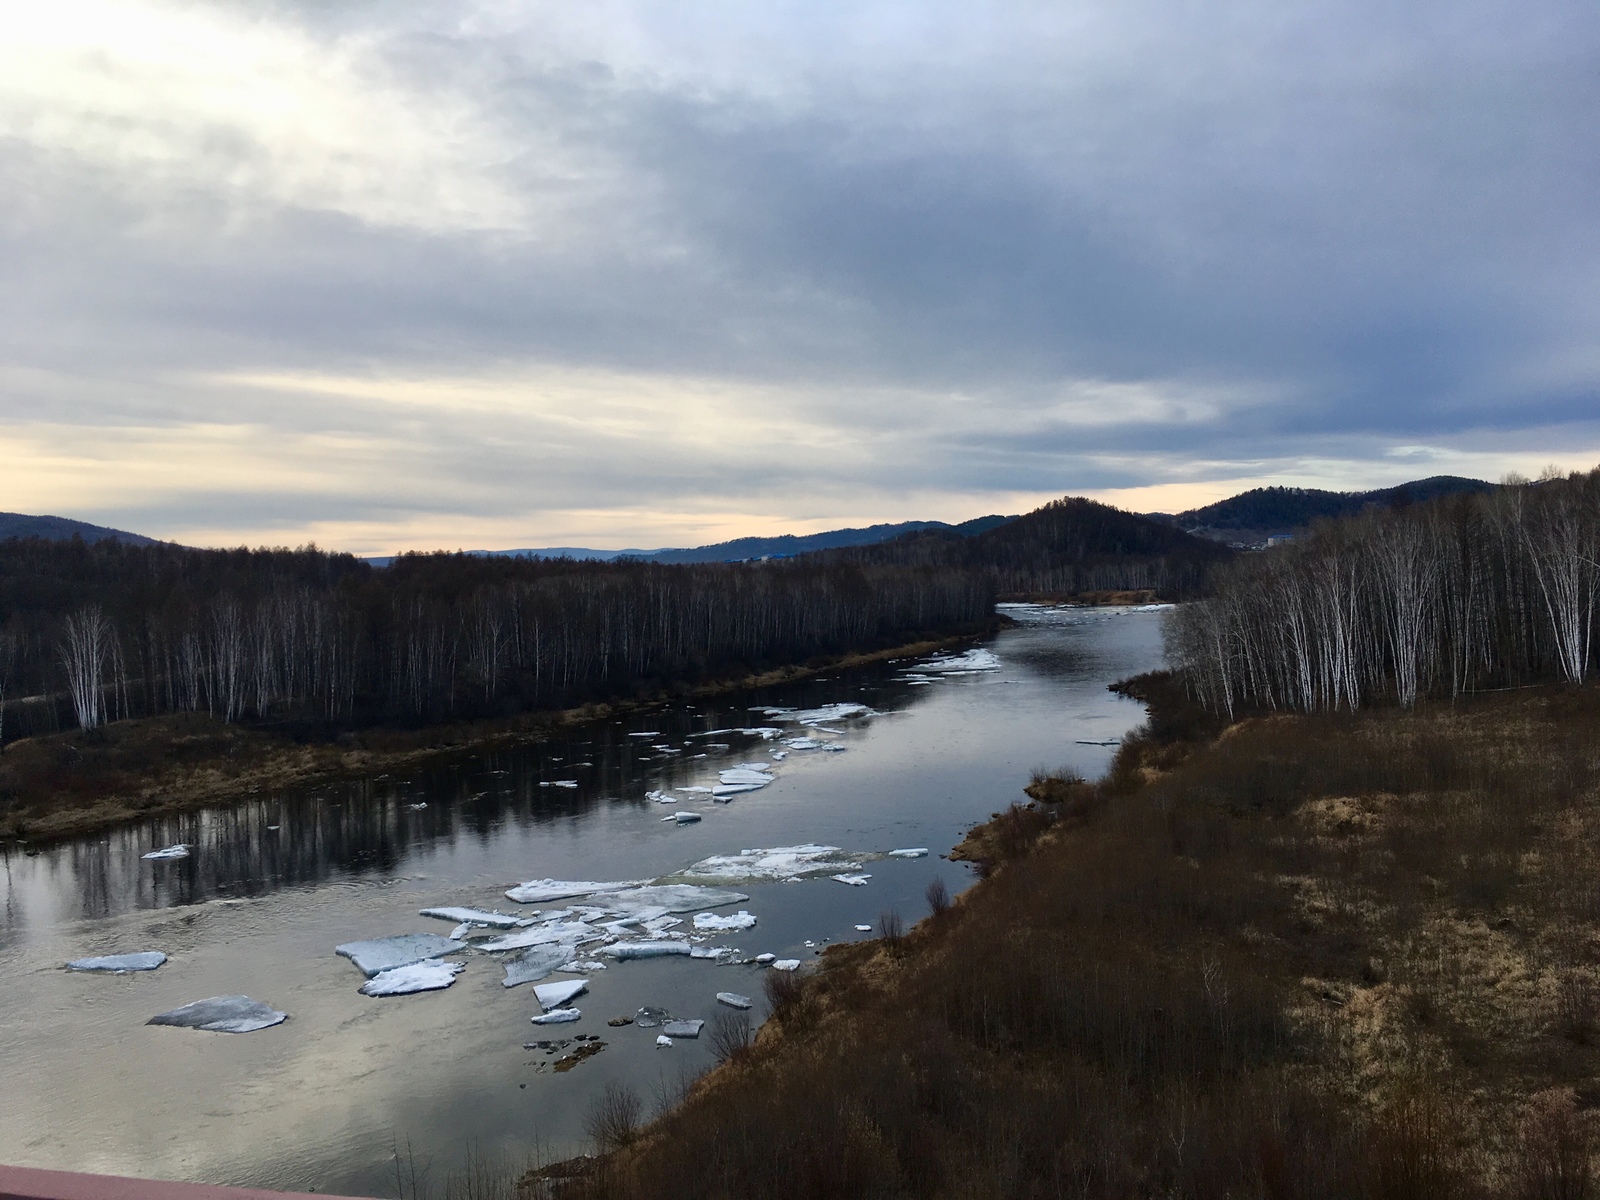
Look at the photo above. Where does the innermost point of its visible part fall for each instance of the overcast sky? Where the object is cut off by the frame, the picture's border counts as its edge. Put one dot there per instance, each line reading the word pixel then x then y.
pixel 409 275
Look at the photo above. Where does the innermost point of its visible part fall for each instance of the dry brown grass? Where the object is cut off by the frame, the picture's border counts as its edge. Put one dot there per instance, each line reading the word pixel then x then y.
pixel 1343 957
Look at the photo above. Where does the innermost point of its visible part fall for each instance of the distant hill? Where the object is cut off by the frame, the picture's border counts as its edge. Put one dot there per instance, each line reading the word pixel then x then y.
pixel 1251 517
pixel 64 529
pixel 782 546
pixel 1068 547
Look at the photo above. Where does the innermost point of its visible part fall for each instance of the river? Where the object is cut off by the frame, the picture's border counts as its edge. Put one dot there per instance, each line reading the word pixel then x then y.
pixel 325 1100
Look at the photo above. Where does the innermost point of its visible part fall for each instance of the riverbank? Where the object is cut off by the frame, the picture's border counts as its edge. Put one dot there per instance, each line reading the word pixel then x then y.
pixel 1345 956
pixel 71 784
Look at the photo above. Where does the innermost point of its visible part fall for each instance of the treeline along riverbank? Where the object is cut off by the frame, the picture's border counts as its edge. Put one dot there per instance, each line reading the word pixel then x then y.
pixel 1462 594
pixel 109 631
pixel 142 678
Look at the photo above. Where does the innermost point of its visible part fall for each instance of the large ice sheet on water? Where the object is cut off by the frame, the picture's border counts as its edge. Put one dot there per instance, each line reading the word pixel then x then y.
pixel 178 851
pixel 536 891
pixel 570 932
pixel 559 1016
pixel 682 1029
pixel 976 659
pixel 475 916
pixel 537 962
pixel 144 960
pixel 672 898
pixel 733 999
pixel 222 1014
pixel 711 923
pixel 744 775
pixel 430 976
pixel 728 790
pixel 623 951
pixel 401 950
pixel 775 865
pixel 552 996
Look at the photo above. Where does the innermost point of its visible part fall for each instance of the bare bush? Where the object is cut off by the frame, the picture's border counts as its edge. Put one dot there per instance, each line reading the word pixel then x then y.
pixel 613 1121
pixel 938 896
pixel 731 1034
pixel 891 928
pixel 1556 1146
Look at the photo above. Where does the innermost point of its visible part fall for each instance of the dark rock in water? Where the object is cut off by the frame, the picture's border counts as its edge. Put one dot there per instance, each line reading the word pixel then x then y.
pixel 222 1014
pixel 619 1022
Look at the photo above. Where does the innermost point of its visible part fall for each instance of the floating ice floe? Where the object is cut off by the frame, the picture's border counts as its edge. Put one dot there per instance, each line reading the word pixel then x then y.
pixel 821 716
pixel 564 783
pixel 682 1029
pixel 536 963
pixel 733 1000
pixel 571 933
pixel 765 960
pixel 560 1016
pixel 863 928
pixel 181 850
pixel 672 898
pixel 786 964
pixel 424 804
pixel 711 923
pixel 721 954
pixel 976 659
pixel 910 852
pixel 774 865
pixel 833 748
pixel 660 798
pixel 430 976
pixel 222 1014
pixel 684 818
pixel 746 775
pixel 663 1040
pixel 385 954
pixel 624 951
pixel 803 743
pixel 727 791
pixel 143 960
pixel 475 916
pixel 779 755
pixel 854 880
pixel 697 790
pixel 552 996
pixel 536 891
pixel 583 964
pixel 650 1017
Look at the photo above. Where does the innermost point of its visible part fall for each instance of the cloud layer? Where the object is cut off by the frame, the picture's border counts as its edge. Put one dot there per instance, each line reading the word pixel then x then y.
pixel 658 274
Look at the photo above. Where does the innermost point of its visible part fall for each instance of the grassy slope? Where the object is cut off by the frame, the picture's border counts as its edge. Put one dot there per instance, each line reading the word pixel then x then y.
pixel 1312 957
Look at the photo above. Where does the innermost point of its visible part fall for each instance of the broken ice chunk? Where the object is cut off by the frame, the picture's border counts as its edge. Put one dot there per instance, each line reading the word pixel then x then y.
pixel 671 897
pixel 833 748
pixel 537 962
pixel 179 851
pixel 649 1017
pixel 733 1000
pixel 682 1029
pixel 571 932
pixel 384 954
pixel 536 891
pixel 144 960
pixel 827 713
pixel 663 1040
pixel 912 852
pixel 686 818
pixel 660 798
pixel 855 880
pixel 552 996
pixel 743 777
pixel 863 928
pixel 766 959
pixel 786 964
pixel 623 951
pixel 474 916
pixel 775 864
pixel 564 783
pixel 976 659
pixel 222 1014
pixel 709 922
pixel 559 1016
pixel 726 791
pixel 697 789
pixel 721 954
pixel 646 733
pixel 428 976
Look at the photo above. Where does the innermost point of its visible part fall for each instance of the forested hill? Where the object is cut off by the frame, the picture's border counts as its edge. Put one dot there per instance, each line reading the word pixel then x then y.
pixel 22 525
pixel 1253 515
pixel 1070 546
pixel 100 631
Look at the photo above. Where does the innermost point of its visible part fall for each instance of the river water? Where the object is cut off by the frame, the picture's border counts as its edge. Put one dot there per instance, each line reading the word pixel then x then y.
pixel 324 1100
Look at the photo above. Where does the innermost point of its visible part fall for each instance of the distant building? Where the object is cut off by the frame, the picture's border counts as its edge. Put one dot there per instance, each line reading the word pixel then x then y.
pixel 1280 539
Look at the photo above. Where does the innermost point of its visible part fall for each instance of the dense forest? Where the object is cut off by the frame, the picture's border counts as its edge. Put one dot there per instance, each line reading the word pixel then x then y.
pixel 1068 547
pixel 1287 509
pixel 1461 594
pixel 91 633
